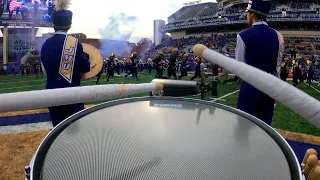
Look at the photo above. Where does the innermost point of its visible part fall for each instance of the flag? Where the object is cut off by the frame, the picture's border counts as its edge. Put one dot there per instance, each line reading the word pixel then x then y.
pixel 15 4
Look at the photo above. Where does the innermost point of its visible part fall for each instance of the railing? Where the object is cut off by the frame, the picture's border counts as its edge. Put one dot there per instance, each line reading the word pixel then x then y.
pixel 297 11
pixel 217 22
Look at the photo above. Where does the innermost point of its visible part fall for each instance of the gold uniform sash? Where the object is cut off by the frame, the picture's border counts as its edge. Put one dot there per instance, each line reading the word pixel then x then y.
pixel 68 57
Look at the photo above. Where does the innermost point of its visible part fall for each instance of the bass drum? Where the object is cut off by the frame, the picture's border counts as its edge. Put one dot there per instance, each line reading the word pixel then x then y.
pixel 157 138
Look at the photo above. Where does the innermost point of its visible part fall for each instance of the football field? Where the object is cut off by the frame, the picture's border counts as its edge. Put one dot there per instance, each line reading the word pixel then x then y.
pixel 283 119
pixel 21 132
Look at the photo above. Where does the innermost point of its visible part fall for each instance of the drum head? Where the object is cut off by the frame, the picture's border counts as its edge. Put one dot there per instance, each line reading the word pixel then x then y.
pixel 164 138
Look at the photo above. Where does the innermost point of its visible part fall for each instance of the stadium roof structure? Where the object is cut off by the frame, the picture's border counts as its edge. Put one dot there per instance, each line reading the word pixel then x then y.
pixel 194 10
pixel 232 1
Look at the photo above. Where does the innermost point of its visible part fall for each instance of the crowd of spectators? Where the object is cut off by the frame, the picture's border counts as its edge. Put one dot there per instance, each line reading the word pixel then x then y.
pixel 208 16
pixel 225 44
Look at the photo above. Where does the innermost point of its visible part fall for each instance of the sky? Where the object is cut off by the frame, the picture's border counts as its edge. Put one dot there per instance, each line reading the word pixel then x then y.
pixel 91 17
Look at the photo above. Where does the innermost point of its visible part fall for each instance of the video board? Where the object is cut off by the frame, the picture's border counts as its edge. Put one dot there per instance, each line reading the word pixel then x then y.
pixel 26 13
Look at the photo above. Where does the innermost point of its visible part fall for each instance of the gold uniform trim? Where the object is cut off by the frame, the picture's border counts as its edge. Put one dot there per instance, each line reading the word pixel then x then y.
pixel 68 58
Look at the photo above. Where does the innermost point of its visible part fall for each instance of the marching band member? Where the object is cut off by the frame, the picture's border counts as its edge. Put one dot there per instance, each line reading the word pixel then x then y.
pixel 150 62
pixel 111 66
pixel 37 67
pixel 22 68
pixel 172 64
pixel 122 64
pixel 284 71
pixel 297 71
pixel 220 73
pixel 117 65
pixel 63 60
pixel 310 72
pixel 126 65
pixel 197 70
pixel 105 65
pixel 28 69
pixel 100 73
pixel 158 61
pixel 133 70
pixel 140 65
pixel 184 66
pixel 258 46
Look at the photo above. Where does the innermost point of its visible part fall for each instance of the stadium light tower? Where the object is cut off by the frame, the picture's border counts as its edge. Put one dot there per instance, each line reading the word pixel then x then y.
pixel 188 3
pixel 158 36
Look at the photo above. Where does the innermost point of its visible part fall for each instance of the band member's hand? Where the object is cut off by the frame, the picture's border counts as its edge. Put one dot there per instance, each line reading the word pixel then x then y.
pixel 86 55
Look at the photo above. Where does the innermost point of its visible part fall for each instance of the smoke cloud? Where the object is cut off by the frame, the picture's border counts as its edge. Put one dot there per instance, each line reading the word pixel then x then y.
pixel 39 41
pixel 115 36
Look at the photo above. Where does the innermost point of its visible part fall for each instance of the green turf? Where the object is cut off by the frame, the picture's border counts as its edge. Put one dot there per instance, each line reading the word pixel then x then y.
pixel 284 118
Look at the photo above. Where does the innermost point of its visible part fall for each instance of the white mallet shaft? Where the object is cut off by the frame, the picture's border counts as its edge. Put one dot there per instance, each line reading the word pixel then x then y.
pixel 64 96
pixel 295 99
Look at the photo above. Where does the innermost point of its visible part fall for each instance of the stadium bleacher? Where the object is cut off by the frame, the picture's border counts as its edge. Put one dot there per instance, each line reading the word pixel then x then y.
pixel 217 28
pixel 208 14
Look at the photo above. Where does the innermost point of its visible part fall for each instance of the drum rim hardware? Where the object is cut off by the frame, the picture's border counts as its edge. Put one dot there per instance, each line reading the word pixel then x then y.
pixel 36 167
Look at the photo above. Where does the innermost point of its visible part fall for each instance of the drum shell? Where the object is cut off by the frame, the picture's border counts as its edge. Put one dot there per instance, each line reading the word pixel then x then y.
pixel 169 103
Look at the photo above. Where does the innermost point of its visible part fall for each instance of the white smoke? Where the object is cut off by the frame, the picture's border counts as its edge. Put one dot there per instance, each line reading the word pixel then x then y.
pixel 115 36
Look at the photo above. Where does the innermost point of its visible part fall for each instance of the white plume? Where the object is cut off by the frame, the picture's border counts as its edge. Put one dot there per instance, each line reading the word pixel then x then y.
pixel 62 4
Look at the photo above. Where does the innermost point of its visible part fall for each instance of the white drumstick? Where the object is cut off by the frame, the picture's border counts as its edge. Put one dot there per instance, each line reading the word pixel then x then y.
pixel 64 96
pixel 295 99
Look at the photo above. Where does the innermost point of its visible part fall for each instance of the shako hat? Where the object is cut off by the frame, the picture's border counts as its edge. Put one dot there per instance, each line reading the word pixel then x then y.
pixel 260 7
pixel 62 17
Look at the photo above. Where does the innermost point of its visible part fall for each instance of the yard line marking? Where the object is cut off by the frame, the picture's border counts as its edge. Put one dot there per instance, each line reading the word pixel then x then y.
pixel 312 87
pixel 218 99
pixel 196 95
pixel 225 96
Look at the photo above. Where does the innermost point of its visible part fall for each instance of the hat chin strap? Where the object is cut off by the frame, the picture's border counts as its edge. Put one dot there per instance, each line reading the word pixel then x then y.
pixel 62 28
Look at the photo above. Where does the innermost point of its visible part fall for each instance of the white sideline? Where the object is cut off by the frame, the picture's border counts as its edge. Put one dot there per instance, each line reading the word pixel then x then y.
pixel 313 87
pixel 25 128
pixel 220 98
